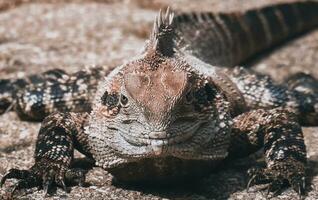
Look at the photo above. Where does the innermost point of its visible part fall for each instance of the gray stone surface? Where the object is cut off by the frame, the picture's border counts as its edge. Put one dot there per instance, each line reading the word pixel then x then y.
pixel 38 36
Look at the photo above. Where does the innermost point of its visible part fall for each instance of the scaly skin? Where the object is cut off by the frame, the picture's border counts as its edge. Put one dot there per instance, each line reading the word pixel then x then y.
pixel 173 112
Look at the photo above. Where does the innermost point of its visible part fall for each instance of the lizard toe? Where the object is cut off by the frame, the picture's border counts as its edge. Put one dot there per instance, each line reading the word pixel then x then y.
pixel 45 175
pixel 278 177
pixel 56 174
pixel 75 176
pixel 257 176
pixel 298 183
pixel 275 187
pixel 14 173
pixel 26 180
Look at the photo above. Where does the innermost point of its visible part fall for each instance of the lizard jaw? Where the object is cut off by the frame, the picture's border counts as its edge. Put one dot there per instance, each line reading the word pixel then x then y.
pixel 158 140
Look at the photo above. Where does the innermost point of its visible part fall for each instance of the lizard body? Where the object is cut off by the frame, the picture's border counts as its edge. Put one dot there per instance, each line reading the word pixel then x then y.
pixel 174 111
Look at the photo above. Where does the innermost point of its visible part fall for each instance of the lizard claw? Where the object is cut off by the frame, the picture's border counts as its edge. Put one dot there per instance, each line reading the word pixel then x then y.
pixel 14 173
pixel 61 182
pixel 46 188
pixel 76 176
pixel 26 179
pixel 21 184
pixel 250 182
pixel 47 182
pixel 64 187
pixel 44 176
pixel 267 192
pixel 298 183
pixel 274 187
pixel 256 175
pixel 277 180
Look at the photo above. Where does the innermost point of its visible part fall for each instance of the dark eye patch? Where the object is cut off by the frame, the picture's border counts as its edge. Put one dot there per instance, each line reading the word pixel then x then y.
pixel 200 96
pixel 110 100
pixel 205 94
pixel 210 92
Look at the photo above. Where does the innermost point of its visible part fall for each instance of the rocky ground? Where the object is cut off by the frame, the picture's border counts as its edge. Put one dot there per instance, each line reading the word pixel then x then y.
pixel 37 35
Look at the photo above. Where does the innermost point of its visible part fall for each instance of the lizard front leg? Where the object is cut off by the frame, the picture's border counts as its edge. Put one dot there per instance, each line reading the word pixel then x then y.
pixel 299 94
pixel 60 133
pixel 278 131
pixel 37 96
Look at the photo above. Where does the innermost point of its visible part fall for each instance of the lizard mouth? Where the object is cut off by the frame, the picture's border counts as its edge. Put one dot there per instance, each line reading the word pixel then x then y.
pixel 160 141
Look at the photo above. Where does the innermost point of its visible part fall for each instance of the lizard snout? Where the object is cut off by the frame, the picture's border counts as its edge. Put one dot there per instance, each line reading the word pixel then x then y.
pixel 158 135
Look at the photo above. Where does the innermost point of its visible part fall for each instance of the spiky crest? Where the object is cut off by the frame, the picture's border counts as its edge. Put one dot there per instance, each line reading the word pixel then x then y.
pixel 161 38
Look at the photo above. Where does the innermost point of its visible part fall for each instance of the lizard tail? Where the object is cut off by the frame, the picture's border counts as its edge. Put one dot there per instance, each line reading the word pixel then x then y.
pixel 227 39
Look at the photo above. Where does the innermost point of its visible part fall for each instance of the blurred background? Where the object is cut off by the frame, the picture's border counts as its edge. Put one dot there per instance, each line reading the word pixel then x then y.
pixel 37 35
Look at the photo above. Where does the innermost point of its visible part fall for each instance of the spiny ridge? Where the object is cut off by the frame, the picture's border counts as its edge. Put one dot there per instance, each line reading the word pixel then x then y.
pixel 161 38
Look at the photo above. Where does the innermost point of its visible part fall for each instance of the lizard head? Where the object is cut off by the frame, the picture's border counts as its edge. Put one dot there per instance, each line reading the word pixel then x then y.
pixel 158 106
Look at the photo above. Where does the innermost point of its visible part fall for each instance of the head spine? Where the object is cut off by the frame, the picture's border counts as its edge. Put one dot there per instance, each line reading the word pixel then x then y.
pixel 162 36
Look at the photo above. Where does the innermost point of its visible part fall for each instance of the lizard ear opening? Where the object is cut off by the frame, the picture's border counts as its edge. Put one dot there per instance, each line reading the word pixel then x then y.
pixel 162 36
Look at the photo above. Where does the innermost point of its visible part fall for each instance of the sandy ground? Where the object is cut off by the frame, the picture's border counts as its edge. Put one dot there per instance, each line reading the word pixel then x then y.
pixel 41 35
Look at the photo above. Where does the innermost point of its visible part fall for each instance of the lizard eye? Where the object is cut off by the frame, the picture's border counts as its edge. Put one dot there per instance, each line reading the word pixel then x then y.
pixel 123 100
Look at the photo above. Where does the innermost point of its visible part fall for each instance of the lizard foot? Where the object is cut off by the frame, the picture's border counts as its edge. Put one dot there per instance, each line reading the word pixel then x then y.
pixel 278 177
pixel 44 175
